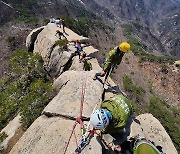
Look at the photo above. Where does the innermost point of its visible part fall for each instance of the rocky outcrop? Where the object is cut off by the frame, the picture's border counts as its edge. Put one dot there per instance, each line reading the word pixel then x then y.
pixel 51 131
pixel 70 85
pixel 32 37
pixel 154 131
pixel 55 57
pixel 10 130
pixel 49 136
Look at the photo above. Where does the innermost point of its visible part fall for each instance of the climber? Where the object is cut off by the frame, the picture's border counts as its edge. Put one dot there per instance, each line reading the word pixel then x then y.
pixel 58 22
pixel 52 20
pixel 63 24
pixel 87 63
pixel 59 34
pixel 77 52
pixel 114 58
pixel 139 145
pixel 112 116
pixel 78 47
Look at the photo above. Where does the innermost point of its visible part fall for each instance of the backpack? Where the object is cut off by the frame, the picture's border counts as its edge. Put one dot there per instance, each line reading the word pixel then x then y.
pixel 144 146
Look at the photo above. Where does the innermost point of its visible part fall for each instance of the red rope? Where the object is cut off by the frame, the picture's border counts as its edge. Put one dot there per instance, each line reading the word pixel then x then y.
pixel 78 119
pixel 65 149
pixel 75 139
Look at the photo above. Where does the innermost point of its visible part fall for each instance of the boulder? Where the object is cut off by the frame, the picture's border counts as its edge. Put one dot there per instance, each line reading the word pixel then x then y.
pixel 95 64
pixel 55 57
pixel 90 51
pixel 50 135
pixel 10 130
pixel 70 85
pixel 32 37
pixel 76 65
pixel 154 131
pixel 57 61
pixel 45 41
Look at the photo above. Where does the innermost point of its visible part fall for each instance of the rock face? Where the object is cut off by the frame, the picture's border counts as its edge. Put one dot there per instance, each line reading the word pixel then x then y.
pixel 32 37
pixel 154 131
pixel 10 130
pixel 55 57
pixel 49 136
pixel 51 131
pixel 71 85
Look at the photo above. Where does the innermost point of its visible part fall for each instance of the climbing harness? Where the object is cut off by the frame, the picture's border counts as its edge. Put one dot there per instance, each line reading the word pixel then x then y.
pixel 87 135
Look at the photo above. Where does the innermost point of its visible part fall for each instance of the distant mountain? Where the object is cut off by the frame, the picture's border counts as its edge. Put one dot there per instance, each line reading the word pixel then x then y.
pixel 160 17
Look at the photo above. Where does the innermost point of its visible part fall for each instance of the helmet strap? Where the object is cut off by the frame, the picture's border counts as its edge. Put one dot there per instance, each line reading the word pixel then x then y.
pixel 108 114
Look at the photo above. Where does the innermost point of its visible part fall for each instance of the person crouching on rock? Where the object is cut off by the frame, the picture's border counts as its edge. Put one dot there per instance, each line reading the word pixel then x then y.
pixel 112 116
pixel 114 58
pixel 59 34
pixel 87 64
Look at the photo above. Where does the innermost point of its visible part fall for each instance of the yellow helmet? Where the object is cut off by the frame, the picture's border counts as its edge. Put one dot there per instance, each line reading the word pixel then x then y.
pixel 125 47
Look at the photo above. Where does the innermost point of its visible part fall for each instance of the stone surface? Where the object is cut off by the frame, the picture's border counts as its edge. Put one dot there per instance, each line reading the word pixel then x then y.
pixel 45 41
pixel 154 131
pixel 95 64
pixel 90 51
pixel 55 58
pixel 10 130
pixel 68 100
pixel 57 61
pixel 49 136
pixel 76 65
pixel 72 36
pixel 32 37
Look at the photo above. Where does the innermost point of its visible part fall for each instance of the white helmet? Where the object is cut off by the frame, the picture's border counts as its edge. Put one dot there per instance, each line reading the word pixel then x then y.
pixel 99 119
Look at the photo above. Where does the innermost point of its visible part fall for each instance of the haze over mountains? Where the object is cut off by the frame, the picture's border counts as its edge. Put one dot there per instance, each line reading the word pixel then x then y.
pixel 160 17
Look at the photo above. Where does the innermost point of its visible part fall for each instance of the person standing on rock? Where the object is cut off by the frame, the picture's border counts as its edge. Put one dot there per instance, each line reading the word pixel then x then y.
pixel 52 20
pixel 114 58
pixel 63 24
pixel 112 116
pixel 79 48
pixel 58 22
